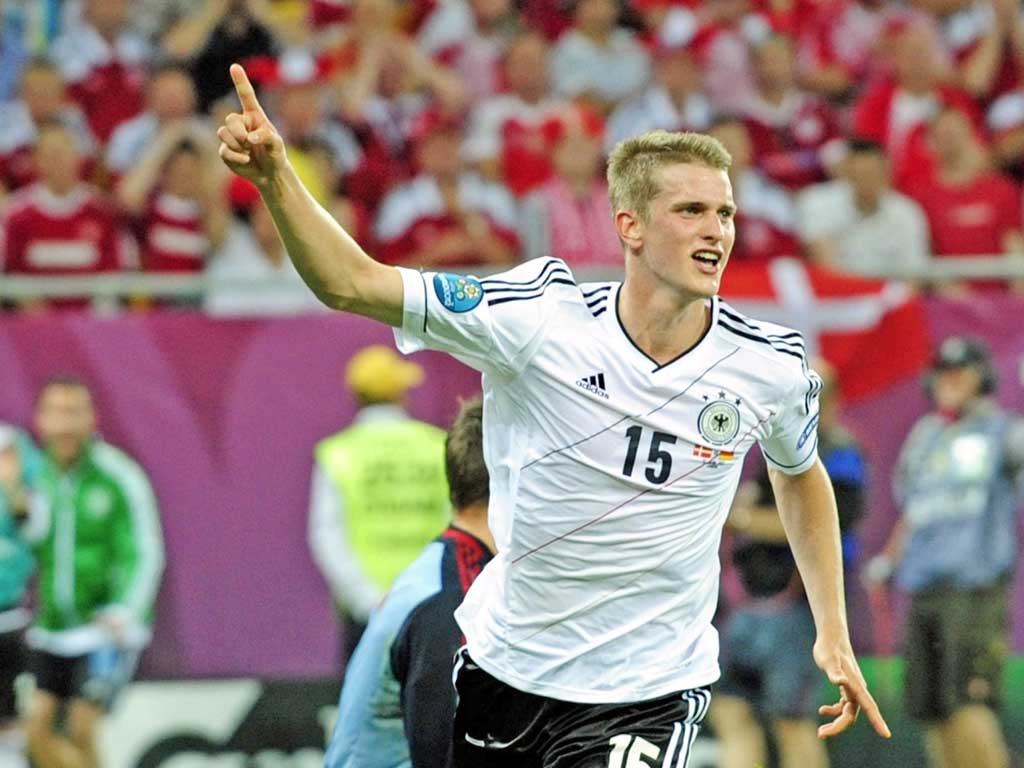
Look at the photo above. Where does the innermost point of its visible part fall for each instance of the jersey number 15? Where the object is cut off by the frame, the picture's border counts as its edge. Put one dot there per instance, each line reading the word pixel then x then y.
pixel 659 460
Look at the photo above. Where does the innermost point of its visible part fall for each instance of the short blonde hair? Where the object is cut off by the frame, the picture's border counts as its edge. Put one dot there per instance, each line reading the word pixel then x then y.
pixel 631 180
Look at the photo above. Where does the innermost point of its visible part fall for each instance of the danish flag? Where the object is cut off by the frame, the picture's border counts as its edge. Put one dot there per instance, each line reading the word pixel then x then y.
pixel 873 332
pixel 707 452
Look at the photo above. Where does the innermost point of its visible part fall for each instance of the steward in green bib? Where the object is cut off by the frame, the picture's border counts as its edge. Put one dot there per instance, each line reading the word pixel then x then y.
pixel 379 493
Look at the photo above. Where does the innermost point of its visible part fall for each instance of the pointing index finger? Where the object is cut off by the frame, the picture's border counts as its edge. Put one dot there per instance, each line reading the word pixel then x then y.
pixel 869 705
pixel 245 91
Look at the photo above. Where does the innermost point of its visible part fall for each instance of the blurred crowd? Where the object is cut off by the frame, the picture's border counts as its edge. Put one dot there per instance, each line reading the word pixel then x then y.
pixel 868 136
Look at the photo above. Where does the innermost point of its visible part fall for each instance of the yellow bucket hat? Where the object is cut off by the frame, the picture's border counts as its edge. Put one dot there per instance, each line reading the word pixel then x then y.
pixel 377 373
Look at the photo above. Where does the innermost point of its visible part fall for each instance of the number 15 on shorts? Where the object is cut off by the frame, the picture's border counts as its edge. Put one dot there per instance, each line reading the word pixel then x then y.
pixel 630 751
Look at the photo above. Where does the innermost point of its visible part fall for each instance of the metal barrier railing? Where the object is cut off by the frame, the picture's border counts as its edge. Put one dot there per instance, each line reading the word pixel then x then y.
pixel 107 291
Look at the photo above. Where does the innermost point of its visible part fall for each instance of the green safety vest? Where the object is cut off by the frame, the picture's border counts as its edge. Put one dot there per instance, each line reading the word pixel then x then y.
pixel 391 478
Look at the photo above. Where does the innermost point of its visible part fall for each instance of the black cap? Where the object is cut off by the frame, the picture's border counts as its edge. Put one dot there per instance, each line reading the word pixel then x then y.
pixel 961 352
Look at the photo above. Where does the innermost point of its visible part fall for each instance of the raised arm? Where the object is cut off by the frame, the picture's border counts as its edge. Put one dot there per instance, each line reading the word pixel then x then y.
pixel 807 507
pixel 334 266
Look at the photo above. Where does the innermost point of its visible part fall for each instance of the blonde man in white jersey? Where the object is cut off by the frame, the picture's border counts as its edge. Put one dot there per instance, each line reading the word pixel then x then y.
pixel 617 418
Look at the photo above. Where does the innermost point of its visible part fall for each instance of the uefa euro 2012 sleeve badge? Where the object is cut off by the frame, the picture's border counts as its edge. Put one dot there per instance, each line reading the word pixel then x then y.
pixel 458 293
pixel 719 421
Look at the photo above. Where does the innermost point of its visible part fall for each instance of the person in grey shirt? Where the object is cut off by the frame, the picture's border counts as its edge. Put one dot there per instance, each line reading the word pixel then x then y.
pixel 597 59
pixel 954 550
pixel 857 223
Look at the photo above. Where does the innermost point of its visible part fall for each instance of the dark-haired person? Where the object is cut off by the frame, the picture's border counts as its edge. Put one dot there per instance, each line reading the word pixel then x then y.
pixel 96 535
pixel 954 551
pixel 398 702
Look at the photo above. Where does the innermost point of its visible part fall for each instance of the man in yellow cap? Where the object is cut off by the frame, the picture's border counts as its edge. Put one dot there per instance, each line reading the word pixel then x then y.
pixel 379 492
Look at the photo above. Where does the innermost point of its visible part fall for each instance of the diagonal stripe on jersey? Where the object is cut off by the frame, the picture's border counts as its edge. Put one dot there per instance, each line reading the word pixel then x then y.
pixel 636 577
pixel 616 423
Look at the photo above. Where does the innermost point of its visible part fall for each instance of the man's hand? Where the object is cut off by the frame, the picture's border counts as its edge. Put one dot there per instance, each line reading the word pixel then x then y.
pixel 250 145
pixel 839 664
pixel 114 625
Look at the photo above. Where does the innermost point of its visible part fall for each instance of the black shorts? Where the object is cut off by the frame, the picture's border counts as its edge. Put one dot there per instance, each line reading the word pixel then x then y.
pixel 97 678
pixel 12 664
pixel 955 648
pixel 497 726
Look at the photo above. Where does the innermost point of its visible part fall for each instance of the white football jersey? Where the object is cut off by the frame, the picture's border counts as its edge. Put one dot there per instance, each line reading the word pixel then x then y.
pixel 611 475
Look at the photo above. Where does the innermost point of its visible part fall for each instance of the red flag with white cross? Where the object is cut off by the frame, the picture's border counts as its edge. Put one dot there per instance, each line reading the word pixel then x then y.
pixel 873 332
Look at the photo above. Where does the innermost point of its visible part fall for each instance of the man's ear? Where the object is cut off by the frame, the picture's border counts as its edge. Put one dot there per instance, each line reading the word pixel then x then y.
pixel 630 228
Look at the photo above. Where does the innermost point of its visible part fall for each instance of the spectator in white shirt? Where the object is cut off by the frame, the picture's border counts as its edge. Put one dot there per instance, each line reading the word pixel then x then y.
pixel 598 59
pixel 170 97
pixel 858 223
pixel 252 252
pixel 673 101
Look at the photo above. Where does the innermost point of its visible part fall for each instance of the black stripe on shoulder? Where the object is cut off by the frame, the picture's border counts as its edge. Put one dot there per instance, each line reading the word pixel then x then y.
pixel 538 292
pixel 755 337
pixel 793 338
pixel 588 294
pixel 551 264
pixel 599 311
pixel 559 272
pixel 594 302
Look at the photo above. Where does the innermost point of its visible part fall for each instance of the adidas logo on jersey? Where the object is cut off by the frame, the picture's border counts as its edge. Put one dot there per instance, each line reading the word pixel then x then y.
pixel 593 384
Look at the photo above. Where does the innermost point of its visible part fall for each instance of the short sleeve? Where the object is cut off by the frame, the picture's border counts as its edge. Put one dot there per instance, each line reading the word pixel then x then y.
pixel 792 445
pixel 493 324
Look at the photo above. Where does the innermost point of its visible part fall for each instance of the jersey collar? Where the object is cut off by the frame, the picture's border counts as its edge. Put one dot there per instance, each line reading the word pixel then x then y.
pixel 642 357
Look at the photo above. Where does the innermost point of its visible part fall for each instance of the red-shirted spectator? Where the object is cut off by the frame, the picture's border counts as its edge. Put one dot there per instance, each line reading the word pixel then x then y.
pixel 472 38
pixel 170 98
pixel 766 217
pixel 570 216
pixel 103 62
pixel 836 44
pixel 788 126
pixel 674 101
pixel 42 99
pixel 506 139
pixel 175 194
pixel 59 225
pixel 895 109
pixel 971 209
pixel 446 216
